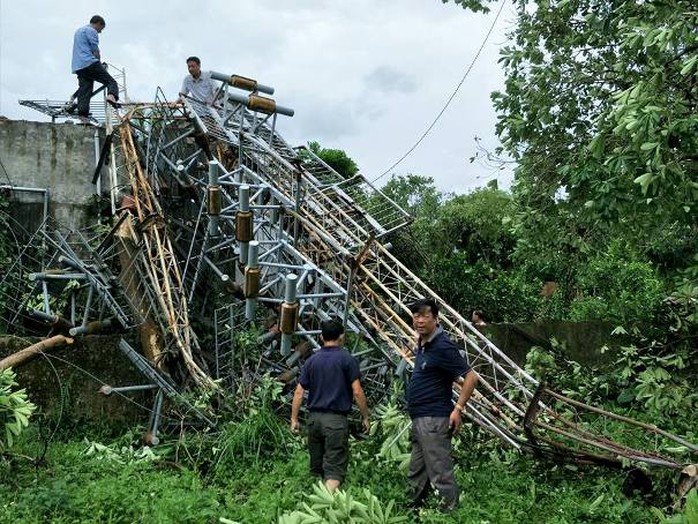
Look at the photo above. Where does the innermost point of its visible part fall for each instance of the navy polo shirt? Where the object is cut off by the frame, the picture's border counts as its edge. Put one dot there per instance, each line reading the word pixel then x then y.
pixel 327 376
pixel 438 364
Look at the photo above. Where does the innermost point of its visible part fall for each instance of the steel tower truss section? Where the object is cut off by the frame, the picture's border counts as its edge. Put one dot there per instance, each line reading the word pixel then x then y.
pixel 508 401
pixel 305 217
pixel 208 121
pixel 364 203
pixel 67 109
pixel 214 250
pixel 216 208
pixel 365 212
pixel 146 230
pixel 210 240
pixel 229 321
pixel 170 148
pixel 76 283
pixel 323 196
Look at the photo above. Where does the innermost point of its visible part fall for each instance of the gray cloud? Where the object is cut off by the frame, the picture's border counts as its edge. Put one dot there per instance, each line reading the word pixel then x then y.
pixel 388 80
pixel 364 76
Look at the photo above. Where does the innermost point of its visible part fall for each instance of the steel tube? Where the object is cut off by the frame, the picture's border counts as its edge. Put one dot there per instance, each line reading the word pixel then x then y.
pixel 244 211
pixel 288 314
pixel 108 390
pixel 253 276
pixel 242 82
pixel 249 102
pixel 213 198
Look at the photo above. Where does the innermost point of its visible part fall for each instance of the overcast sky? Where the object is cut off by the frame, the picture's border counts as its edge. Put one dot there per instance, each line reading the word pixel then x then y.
pixel 365 76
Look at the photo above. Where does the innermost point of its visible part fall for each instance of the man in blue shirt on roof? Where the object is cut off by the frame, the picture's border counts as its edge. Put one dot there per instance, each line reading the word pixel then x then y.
pixel 87 65
pixel 332 377
pixel 438 363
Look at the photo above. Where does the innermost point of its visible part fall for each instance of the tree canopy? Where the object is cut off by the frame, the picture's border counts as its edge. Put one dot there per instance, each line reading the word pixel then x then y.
pixel 336 159
pixel 599 111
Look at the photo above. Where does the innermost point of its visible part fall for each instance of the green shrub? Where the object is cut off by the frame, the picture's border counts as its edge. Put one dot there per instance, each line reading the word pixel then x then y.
pixel 688 516
pixel 503 295
pixel 615 287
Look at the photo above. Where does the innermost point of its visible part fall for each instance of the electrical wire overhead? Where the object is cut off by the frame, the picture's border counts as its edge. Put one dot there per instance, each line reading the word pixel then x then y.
pixel 450 99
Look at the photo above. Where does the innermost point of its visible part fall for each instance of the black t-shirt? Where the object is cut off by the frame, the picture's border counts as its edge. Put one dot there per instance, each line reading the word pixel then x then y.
pixel 438 364
pixel 327 376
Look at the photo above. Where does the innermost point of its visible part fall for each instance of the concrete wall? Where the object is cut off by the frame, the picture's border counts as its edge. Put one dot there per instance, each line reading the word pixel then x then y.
pixel 57 157
pixel 580 341
pixel 64 384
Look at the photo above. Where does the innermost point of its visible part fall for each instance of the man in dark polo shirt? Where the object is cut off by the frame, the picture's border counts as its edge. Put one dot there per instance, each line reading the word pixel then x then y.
pixel 332 377
pixel 438 363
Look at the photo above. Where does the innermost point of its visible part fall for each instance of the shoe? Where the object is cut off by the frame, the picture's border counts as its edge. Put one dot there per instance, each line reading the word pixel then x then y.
pixel 84 120
pixel 112 101
pixel 70 106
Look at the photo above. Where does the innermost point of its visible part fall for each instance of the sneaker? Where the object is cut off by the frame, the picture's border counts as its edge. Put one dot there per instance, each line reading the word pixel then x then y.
pixel 84 120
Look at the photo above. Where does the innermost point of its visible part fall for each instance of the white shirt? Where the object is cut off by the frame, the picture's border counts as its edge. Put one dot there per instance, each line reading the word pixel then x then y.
pixel 201 89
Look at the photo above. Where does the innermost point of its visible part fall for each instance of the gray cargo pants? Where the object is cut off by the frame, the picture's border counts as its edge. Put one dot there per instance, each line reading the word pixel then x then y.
pixel 431 461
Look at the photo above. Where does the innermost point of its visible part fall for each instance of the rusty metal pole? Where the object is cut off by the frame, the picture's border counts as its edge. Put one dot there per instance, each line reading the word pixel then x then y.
pixel 214 199
pixel 241 82
pixel 57 322
pixel 244 224
pixel 252 274
pixel 288 319
pixel 90 328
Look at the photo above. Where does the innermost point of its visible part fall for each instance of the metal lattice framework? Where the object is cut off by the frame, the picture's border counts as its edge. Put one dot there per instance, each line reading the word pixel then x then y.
pixel 302 207
pixel 100 111
pixel 72 281
pixel 220 217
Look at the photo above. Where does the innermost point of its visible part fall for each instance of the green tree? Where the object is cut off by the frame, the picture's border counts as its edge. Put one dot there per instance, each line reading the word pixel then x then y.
pixel 336 159
pixel 461 246
pixel 617 287
pixel 473 265
pixel 419 197
pixel 473 5
pixel 599 110
pixel 477 225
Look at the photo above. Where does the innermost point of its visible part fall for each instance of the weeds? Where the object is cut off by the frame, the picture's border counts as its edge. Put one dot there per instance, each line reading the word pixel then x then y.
pixel 497 486
pixel 688 516
pixel 253 470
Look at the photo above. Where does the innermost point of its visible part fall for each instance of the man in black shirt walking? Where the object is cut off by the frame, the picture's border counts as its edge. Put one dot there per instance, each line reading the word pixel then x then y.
pixel 332 377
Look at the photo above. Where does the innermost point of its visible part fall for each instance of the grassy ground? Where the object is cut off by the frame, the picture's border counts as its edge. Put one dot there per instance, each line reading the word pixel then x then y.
pixel 199 481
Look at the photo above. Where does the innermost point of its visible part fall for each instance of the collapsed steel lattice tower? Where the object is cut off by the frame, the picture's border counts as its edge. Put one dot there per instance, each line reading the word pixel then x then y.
pixel 220 219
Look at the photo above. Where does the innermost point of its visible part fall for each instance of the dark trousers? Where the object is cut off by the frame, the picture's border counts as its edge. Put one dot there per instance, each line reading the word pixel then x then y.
pixel 431 462
pixel 86 79
pixel 328 445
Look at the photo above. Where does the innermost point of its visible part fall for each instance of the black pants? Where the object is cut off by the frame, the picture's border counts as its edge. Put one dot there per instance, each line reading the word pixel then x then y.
pixel 86 79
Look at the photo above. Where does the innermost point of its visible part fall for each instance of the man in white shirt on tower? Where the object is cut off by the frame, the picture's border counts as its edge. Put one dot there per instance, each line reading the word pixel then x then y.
pixel 198 84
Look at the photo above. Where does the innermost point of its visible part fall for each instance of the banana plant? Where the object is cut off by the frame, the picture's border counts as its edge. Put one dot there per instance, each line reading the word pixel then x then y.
pixel 15 409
